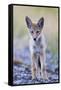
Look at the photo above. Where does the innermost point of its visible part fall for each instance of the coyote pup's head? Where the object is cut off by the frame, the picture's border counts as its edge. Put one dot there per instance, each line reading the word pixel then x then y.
pixel 35 29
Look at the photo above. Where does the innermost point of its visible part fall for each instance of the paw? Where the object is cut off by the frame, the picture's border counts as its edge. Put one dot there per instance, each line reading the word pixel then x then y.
pixel 45 77
pixel 33 77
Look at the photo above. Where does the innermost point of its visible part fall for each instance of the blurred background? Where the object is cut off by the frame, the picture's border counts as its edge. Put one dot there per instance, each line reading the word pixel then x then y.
pixel 21 53
pixel 35 13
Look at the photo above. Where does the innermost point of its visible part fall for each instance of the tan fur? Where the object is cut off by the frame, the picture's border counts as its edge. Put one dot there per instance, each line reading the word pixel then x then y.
pixel 37 49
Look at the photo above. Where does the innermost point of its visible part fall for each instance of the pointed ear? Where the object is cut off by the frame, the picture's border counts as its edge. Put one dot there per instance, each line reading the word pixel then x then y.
pixel 28 22
pixel 40 23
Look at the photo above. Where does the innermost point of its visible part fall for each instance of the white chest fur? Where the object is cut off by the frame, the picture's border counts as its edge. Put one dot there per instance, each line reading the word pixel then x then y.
pixel 38 46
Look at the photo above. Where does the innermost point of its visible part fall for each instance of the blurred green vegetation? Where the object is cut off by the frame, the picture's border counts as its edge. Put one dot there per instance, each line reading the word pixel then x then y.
pixel 35 13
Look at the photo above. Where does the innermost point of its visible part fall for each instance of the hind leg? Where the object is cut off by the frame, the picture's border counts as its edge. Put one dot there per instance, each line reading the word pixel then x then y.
pixel 38 73
pixel 38 67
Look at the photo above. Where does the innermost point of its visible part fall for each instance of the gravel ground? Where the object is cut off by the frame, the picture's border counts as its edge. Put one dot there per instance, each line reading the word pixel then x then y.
pixel 22 72
pixel 22 75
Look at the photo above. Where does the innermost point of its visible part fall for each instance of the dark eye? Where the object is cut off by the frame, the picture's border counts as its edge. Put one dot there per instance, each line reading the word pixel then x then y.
pixel 37 31
pixel 32 32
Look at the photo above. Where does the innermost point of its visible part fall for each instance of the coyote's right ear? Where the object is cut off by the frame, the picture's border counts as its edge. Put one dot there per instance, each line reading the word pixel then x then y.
pixel 28 22
pixel 41 23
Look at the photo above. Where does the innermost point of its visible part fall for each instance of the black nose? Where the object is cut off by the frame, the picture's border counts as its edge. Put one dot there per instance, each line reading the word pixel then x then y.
pixel 34 39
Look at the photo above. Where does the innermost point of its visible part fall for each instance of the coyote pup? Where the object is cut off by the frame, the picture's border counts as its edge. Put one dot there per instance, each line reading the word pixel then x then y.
pixel 37 48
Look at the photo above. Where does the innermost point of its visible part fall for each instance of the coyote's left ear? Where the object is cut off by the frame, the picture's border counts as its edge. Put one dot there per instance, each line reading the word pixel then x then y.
pixel 28 22
pixel 41 23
